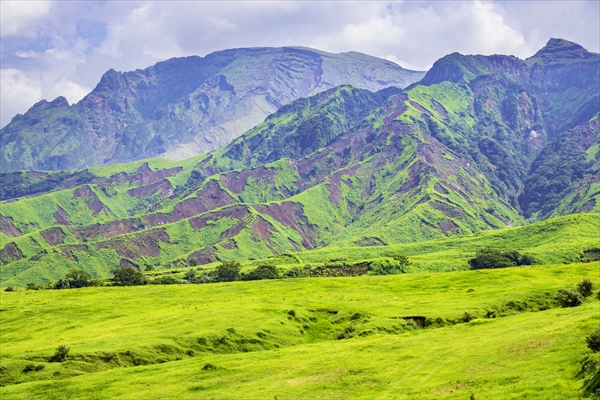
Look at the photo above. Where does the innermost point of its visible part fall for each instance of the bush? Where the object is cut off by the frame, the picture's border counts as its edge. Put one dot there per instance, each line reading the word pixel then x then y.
pixel 262 272
pixel 193 262
pixel 527 259
pixel 402 259
pixel 298 272
pixel 165 280
pixel 387 266
pixel 489 258
pixel 209 366
pixel 190 275
pixel 593 341
pixel 62 284
pixel 127 277
pixel 61 353
pixel 568 298
pixel 228 271
pixel 585 287
pixel 9 289
pixel 32 286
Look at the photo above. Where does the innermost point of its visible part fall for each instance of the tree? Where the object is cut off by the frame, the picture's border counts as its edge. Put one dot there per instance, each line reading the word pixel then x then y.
pixel 128 277
pixel 78 278
pixel 228 271
pixel 61 353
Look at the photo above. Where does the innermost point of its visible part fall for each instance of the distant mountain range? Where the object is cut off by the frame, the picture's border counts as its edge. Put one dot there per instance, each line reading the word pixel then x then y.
pixel 480 142
pixel 183 106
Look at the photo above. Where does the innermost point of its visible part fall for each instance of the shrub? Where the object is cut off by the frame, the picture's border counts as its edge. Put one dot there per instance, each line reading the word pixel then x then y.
pixel 29 368
pixel 209 366
pixel 585 287
pixel 165 280
pixel 568 298
pixel 62 284
pixel 193 262
pixel 127 277
pixel 490 258
pixel 204 279
pixel 61 353
pixel 262 272
pixel 402 259
pixel 387 266
pixel 190 275
pixel 228 271
pixel 593 341
pixel 32 286
pixel 298 272
pixel 527 259
pixel 467 316
pixel 9 289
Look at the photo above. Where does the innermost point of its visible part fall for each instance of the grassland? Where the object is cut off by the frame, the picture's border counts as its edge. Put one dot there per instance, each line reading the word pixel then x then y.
pixel 344 338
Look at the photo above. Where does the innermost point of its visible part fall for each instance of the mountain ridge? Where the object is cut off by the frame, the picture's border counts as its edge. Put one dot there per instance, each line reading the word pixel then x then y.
pixel 181 107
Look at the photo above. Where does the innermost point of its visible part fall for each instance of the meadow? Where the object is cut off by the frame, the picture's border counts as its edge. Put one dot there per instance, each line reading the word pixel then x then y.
pixel 490 334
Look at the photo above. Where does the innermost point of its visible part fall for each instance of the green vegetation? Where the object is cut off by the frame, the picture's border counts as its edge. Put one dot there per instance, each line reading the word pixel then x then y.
pixel 332 334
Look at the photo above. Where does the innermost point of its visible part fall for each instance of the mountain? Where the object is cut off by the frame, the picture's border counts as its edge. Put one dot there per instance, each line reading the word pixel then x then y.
pixel 474 146
pixel 182 107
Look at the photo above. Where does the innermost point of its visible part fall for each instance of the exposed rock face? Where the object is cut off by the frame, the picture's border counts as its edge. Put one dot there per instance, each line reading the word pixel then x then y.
pixel 183 106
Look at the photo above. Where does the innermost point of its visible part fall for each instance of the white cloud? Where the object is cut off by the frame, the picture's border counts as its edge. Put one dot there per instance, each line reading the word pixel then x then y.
pixel 17 93
pixel 69 89
pixel 20 17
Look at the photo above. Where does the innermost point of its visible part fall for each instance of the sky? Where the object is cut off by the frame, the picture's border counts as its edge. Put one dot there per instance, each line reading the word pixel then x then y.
pixel 62 48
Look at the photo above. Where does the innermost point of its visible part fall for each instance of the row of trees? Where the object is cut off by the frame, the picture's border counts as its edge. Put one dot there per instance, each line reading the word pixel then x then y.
pixel 78 278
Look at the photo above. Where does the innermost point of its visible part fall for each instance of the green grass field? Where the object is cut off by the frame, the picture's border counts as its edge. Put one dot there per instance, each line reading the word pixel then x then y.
pixel 335 338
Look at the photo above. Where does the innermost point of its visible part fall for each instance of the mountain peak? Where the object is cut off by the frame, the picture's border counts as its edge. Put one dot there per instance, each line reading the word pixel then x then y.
pixel 560 49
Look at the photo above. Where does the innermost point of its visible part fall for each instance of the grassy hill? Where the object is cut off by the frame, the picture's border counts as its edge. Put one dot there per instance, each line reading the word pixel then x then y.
pixel 356 337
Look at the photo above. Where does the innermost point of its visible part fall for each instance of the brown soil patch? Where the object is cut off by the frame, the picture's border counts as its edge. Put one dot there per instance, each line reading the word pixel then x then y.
pixel 235 212
pixel 61 217
pixel 447 226
pixel 369 241
pixel 589 206
pixel 125 263
pixel 164 186
pixel 10 253
pixel 145 244
pixel 211 196
pixel 108 230
pixel 92 201
pixel 236 181
pixel 292 215
pixel 7 227
pixel 262 228
pixel 447 209
pixel 204 256
pixel 53 236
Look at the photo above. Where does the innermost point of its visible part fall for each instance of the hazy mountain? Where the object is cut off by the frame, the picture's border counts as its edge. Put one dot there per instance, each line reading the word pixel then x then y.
pixel 183 106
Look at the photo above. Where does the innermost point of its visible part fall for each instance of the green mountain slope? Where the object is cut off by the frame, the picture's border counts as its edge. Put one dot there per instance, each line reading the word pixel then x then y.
pixel 182 107
pixel 468 149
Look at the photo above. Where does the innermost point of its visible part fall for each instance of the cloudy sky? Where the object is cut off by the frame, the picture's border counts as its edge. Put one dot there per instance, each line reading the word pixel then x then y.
pixel 53 48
